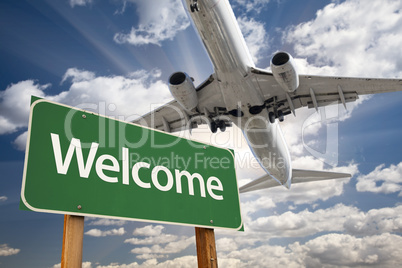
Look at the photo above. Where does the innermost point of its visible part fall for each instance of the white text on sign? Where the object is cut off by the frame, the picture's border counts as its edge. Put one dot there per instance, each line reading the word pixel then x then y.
pixel 107 162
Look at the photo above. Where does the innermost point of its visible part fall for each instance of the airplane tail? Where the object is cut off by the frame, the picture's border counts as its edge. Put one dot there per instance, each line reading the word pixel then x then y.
pixel 298 176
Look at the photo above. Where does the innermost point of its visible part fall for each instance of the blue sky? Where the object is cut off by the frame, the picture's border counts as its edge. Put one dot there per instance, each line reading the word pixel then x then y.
pixel 121 53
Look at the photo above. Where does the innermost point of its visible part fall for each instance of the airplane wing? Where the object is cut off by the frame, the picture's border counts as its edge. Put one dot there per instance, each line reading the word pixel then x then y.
pixel 171 117
pixel 298 176
pixel 313 92
pixel 317 91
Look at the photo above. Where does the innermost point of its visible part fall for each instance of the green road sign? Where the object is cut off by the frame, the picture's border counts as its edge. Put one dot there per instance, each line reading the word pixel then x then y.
pixel 81 163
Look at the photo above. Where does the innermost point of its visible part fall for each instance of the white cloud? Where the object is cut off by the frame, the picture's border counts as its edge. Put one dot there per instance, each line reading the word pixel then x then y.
pixel 170 248
pixel 354 38
pixel 3 198
pixel 251 206
pixel 100 233
pixel 303 130
pixel 347 39
pixel 345 250
pixel 14 104
pixel 249 247
pixel 105 222
pixel 151 256
pixel 226 244
pixel 260 256
pixel 158 239
pixel 367 241
pixel 85 264
pixel 121 96
pixel 331 250
pixel 375 221
pixel 124 97
pixel 255 35
pixel 182 262
pixel 304 67
pixel 21 141
pixel 78 75
pixel 162 244
pixel 5 250
pixel 155 24
pixel 149 230
pixel 252 5
pixel 74 3
pixel 304 223
pixel 381 180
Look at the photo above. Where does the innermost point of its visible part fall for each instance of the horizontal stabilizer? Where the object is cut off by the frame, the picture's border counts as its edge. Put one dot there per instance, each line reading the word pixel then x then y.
pixel 298 176
pixel 301 175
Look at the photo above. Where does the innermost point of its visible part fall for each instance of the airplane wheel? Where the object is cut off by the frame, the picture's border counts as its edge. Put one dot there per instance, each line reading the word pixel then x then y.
pixel 214 127
pixel 280 116
pixel 236 113
pixel 271 116
pixel 194 7
pixel 222 125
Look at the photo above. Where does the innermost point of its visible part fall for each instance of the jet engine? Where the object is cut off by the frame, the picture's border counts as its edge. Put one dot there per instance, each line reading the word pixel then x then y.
pixel 284 71
pixel 182 88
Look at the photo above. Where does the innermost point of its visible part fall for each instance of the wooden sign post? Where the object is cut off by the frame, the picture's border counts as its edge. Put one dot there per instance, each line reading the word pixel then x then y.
pixel 206 249
pixel 73 235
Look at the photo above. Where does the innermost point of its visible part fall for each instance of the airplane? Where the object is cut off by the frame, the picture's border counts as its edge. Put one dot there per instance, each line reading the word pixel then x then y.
pixel 254 99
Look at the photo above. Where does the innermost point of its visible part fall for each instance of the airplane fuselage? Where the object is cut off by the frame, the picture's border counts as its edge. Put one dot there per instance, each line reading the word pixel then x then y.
pixel 221 35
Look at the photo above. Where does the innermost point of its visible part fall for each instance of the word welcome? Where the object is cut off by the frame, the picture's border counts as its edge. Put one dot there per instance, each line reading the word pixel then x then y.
pixel 107 162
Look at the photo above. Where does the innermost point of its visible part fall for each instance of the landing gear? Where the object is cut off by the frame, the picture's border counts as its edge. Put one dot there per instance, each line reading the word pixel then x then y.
pixel 214 127
pixel 194 6
pixel 218 124
pixel 280 116
pixel 272 116
pixel 222 125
